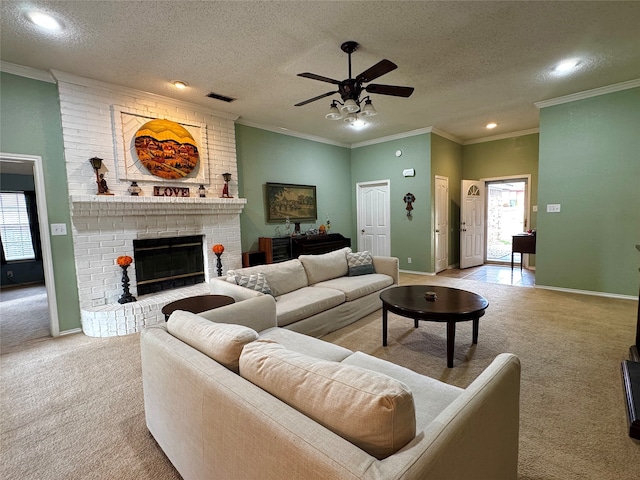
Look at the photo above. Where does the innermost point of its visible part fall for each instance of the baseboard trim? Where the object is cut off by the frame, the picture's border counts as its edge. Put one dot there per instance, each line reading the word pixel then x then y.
pixel 588 292
pixel 70 332
pixel 430 274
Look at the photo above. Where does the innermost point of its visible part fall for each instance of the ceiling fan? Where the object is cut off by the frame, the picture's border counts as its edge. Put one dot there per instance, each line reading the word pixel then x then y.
pixel 351 88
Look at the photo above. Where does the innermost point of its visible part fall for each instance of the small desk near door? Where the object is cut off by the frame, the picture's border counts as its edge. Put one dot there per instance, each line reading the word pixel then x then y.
pixel 522 243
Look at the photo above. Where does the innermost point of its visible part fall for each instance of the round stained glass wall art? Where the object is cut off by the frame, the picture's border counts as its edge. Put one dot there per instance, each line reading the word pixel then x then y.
pixel 166 149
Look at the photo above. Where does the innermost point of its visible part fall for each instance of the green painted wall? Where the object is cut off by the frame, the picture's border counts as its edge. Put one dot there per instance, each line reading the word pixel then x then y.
pixel 409 237
pixel 30 125
pixel 446 161
pixel 590 164
pixel 265 156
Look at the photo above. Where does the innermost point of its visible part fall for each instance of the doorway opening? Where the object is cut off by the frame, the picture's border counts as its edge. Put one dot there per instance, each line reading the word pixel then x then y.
pixel 507 202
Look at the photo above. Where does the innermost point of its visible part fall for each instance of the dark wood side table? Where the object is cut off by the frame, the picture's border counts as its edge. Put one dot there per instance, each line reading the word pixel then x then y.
pixel 451 306
pixel 522 243
pixel 197 304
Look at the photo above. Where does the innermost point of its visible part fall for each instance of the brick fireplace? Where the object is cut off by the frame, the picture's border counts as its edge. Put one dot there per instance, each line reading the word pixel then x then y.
pixel 95 119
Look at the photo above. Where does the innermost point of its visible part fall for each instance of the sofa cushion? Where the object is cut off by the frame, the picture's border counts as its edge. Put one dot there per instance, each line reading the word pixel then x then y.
pixel 371 410
pixel 325 266
pixel 356 287
pixel 257 282
pixel 360 263
pixel 301 343
pixel 305 302
pixel 223 342
pixel 430 396
pixel 283 277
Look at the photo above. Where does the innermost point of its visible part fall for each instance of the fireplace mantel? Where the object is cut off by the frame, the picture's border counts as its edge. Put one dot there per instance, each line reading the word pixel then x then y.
pixel 112 205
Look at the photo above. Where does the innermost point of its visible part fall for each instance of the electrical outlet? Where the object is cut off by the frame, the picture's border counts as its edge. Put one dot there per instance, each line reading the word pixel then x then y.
pixel 409 260
pixel 58 229
pixel 9 273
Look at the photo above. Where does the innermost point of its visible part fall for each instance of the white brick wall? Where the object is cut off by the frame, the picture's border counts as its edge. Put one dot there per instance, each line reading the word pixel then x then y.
pixel 104 227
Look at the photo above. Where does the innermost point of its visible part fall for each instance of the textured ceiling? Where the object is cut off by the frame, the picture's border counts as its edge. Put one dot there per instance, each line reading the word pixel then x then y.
pixel 470 62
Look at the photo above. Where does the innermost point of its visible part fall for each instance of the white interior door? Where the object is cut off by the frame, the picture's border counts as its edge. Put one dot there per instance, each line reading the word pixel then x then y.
pixel 441 223
pixel 374 219
pixel 472 224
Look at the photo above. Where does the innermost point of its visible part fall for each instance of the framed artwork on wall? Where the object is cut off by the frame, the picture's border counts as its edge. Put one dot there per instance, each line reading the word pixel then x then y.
pixel 295 202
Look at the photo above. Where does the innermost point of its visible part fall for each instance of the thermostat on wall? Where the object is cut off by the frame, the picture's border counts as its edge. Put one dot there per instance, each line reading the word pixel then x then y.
pixel 409 172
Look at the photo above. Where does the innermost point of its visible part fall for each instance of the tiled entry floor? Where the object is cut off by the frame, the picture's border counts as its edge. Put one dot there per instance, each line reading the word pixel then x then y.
pixel 492 273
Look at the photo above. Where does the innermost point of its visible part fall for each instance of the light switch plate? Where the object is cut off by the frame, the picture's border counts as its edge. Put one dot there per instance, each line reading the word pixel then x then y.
pixel 553 208
pixel 409 172
pixel 58 229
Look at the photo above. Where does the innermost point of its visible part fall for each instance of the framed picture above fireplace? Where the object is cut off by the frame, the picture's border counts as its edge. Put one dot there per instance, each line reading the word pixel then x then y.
pixel 295 202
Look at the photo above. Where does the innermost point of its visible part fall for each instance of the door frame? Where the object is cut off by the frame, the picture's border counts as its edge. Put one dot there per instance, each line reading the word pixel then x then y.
pixel 359 187
pixel 43 225
pixel 446 233
pixel 527 204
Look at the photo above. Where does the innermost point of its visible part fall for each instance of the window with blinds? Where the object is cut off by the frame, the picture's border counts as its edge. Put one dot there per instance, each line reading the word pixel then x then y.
pixel 14 227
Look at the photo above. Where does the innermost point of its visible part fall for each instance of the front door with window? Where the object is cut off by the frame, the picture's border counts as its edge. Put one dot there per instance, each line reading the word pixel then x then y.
pixel 472 224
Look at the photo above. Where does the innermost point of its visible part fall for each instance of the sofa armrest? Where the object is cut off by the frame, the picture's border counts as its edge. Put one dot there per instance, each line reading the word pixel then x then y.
pixel 258 313
pixel 388 266
pixel 220 286
pixel 478 431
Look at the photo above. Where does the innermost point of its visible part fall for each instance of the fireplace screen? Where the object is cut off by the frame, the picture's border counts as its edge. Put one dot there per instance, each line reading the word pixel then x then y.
pixel 167 263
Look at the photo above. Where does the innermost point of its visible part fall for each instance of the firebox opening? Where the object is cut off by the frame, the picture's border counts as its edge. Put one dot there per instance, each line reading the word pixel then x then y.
pixel 167 263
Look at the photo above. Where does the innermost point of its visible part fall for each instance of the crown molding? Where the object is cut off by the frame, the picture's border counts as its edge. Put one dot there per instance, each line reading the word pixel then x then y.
pixel 397 136
pixel 292 133
pixel 27 72
pixel 98 84
pixel 589 93
pixel 447 135
pixel 520 133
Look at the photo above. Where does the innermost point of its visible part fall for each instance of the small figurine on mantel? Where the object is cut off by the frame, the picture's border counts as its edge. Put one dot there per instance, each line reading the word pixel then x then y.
pixel 103 189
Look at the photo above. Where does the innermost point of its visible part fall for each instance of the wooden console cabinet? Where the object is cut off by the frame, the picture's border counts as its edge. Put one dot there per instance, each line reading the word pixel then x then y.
pixel 279 249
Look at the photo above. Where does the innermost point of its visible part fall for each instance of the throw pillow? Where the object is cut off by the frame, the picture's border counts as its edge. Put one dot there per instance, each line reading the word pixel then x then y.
pixel 222 342
pixel 326 265
pixel 257 282
pixel 372 410
pixel 360 263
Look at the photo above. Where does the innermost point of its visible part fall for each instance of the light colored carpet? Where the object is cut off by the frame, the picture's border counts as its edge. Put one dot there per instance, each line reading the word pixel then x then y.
pixel 72 408
pixel 24 316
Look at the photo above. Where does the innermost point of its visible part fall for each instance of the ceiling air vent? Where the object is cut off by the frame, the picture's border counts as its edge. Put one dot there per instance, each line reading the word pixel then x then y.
pixel 217 96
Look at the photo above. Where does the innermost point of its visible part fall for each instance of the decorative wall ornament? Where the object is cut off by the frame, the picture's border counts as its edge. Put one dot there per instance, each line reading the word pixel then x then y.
pixel 166 149
pixel 128 122
pixel 409 198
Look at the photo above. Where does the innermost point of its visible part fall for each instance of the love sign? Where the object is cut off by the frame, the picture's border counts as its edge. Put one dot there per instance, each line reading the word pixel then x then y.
pixel 170 192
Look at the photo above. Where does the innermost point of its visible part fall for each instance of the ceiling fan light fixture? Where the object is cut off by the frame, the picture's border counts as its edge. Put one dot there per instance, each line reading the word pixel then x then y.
pixel 368 110
pixel 334 113
pixel 350 106
pixel 351 118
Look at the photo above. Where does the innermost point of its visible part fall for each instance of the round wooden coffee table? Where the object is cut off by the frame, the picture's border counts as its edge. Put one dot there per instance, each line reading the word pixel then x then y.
pixel 197 304
pixel 451 305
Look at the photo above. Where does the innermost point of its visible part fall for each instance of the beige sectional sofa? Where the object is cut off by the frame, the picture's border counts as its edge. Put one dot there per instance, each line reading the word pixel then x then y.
pixel 228 395
pixel 315 294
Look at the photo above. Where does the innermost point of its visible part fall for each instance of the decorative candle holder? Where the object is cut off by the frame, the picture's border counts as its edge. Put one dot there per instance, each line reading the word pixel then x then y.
pixel 134 189
pixel 217 250
pixel 225 190
pixel 124 262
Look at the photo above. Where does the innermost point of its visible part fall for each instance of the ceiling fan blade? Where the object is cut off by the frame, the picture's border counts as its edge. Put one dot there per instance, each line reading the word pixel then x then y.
pixel 394 90
pixel 379 69
pixel 313 76
pixel 314 99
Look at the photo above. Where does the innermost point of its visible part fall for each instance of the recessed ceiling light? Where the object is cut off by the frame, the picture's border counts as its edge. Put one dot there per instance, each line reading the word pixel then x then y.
pixel 566 66
pixel 180 84
pixel 491 125
pixel 44 20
